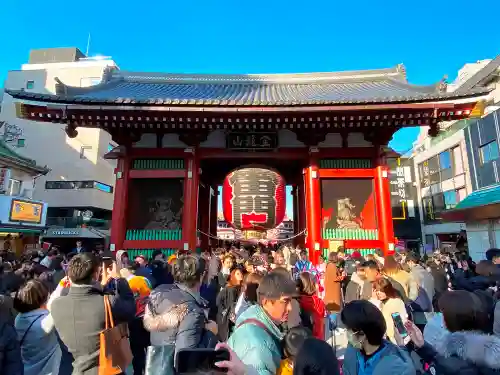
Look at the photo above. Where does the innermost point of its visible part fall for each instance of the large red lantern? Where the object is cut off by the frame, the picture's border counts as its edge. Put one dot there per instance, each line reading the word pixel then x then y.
pixel 254 198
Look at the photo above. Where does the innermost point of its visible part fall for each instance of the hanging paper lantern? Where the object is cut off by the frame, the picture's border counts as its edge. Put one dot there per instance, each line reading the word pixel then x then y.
pixel 254 198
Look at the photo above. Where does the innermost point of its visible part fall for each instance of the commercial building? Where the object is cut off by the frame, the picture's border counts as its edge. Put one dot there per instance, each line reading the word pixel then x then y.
pixel 80 182
pixel 443 169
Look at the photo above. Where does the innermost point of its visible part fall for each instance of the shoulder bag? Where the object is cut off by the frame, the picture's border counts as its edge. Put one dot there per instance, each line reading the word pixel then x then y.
pixel 114 353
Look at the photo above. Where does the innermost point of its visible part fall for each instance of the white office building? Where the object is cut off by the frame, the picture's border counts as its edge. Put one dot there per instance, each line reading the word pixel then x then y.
pixel 80 179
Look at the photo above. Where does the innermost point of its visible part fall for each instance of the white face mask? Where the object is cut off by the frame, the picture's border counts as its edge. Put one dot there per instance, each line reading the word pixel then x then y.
pixel 354 340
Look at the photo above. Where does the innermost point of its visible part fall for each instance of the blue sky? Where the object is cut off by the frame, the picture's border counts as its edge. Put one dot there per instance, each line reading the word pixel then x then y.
pixel 432 38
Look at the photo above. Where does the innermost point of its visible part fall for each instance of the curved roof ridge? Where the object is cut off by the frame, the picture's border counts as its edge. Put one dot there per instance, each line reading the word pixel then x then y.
pixel 287 78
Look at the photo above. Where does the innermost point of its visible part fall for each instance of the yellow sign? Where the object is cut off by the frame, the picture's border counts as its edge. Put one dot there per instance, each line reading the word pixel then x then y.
pixel 26 212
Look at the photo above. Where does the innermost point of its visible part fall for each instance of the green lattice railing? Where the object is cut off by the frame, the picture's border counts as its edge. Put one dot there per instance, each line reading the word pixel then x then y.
pixel 158 164
pixel 350 234
pixel 148 253
pixel 345 163
pixel 364 252
pixel 154 234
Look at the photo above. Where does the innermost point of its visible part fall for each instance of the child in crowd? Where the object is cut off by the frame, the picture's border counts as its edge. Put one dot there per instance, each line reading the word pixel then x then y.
pixel 291 345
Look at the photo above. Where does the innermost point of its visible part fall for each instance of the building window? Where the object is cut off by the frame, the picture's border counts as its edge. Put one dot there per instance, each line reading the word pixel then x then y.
pixel 30 85
pixel 14 187
pixel 445 165
pixel 489 152
pixel 450 199
pixel 438 204
pixel 75 185
pixel 82 151
pixel 103 187
pixel 20 142
pixel 428 208
pixel 458 163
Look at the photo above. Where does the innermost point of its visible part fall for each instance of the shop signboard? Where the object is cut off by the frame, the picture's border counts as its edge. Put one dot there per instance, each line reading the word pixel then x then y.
pixel 24 211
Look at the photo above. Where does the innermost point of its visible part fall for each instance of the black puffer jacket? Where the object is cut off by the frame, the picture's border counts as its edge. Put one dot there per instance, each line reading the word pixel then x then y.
pixel 189 331
pixel 10 352
pixel 463 353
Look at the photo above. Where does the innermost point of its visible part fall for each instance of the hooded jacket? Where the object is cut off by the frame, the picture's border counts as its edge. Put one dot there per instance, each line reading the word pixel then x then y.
pixel 162 314
pixel 464 353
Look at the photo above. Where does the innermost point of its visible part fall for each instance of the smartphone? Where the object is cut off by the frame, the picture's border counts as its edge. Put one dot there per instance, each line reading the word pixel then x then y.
pixel 398 323
pixel 191 361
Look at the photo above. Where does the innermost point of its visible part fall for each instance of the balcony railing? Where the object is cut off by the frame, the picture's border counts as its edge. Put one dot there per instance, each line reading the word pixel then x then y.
pixel 71 222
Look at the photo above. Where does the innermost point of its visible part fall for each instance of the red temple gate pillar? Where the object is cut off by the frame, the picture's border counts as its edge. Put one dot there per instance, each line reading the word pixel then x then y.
pixel 313 210
pixel 384 209
pixel 190 210
pixel 120 203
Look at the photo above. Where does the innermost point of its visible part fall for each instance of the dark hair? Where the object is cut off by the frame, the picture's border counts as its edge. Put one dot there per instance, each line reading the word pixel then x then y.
pixel 250 285
pixel 391 266
pixel 371 264
pixel 485 268
pixel 188 269
pixel 294 339
pixel 463 311
pixel 364 317
pixel 333 257
pixel 275 285
pixel 492 253
pixel 412 257
pixel 31 296
pixel 384 285
pixel 232 278
pixel 316 357
pixel 82 268
pixel 53 252
pixel 306 284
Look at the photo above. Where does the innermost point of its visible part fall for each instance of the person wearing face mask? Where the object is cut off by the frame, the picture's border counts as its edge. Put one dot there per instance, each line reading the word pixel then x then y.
pixel 368 352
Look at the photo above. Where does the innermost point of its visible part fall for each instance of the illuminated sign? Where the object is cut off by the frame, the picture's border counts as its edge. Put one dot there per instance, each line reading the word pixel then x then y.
pixel 23 211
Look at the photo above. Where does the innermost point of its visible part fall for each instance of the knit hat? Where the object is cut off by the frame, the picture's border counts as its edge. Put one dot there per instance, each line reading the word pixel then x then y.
pixel 356 255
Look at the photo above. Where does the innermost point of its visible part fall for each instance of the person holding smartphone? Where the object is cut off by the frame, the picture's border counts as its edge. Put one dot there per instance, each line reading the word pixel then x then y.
pixel 368 352
pixel 391 305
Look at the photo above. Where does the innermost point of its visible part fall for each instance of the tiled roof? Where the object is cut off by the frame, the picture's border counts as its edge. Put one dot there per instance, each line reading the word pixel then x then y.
pixel 14 157
pixel 356 87
pixel 483 73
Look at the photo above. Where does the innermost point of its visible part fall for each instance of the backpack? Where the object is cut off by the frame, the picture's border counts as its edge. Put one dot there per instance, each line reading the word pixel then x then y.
pixel 350 267
pixel 279 343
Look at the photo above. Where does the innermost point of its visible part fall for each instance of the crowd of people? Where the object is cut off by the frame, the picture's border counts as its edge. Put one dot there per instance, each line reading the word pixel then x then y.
pixel 271 308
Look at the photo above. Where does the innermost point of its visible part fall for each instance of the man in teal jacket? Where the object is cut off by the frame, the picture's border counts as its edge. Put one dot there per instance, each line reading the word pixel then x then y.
pixel 257 338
